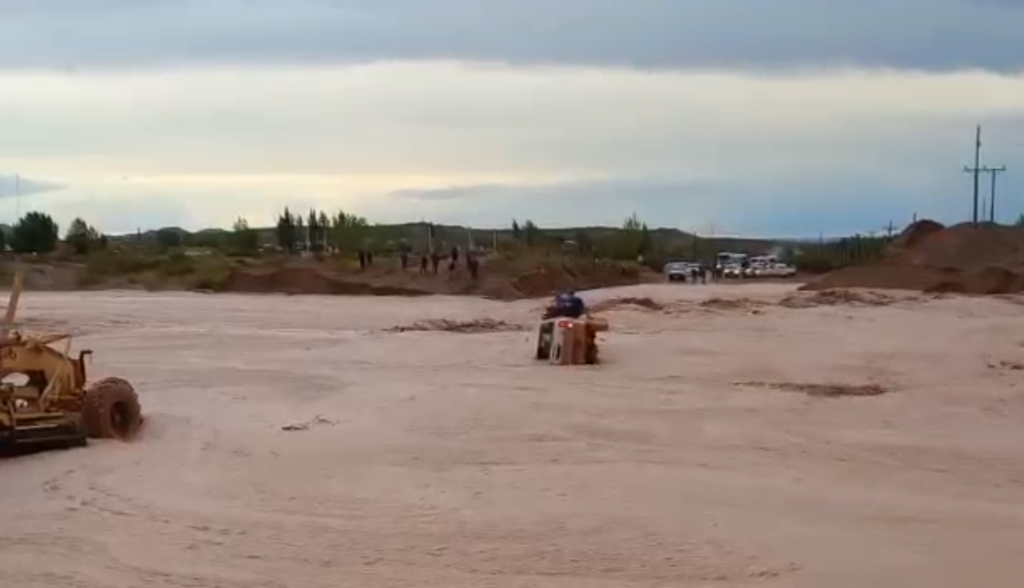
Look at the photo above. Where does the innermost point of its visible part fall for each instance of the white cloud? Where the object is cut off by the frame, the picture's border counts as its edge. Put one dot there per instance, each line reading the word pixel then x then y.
pixel 198 146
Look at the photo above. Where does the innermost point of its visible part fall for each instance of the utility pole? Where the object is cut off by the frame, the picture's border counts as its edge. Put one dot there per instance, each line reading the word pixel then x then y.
pixel 975 171
pixel 993 172
pixel 889 230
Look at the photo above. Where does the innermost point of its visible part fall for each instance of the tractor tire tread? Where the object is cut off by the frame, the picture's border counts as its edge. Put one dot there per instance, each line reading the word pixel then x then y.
pixel 101 398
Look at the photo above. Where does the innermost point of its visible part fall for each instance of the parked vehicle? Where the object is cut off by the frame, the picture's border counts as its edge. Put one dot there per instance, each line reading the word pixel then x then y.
pixel 780 270
pixel 733 271
pixel 679 271
pixel 726 259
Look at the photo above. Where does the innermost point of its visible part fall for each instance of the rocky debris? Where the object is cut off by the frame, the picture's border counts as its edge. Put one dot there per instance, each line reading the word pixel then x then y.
pixel 823 390
pixel 452 326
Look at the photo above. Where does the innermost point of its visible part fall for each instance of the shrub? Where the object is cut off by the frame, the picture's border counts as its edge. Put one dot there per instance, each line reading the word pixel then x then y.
pixel 176 265
pixel 106 264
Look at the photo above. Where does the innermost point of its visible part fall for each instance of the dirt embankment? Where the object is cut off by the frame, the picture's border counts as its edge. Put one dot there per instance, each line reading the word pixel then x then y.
pixel 547 278
pixel 307 280
pixel 928 257
pixel 500 278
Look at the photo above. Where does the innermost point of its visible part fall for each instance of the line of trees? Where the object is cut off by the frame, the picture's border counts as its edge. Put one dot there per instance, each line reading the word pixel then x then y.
pixel 37 232
pixel 318 231
pixel 633 240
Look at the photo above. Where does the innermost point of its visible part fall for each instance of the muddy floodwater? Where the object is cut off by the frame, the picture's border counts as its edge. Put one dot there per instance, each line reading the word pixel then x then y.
pixel 733 436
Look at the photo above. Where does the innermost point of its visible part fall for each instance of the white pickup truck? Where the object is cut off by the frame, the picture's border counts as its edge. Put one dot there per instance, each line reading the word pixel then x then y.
pixel 733 271
pixel 776 270
pixel 679 271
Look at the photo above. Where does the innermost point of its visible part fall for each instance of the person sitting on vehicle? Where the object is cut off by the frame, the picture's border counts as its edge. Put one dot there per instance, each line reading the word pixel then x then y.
pixel 569 305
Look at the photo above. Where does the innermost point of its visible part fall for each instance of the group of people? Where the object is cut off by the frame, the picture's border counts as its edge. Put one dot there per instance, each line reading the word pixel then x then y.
pixel 432 262
pixel 365 259
pixel 703 274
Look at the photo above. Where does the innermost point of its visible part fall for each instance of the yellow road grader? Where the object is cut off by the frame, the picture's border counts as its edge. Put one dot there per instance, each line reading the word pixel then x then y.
pixel 45 399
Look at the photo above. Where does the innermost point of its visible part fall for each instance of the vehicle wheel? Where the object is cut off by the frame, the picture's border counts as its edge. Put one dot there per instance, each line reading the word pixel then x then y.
pixel 544 339
pixel 111 410
pixel 591 353
pixel 543 350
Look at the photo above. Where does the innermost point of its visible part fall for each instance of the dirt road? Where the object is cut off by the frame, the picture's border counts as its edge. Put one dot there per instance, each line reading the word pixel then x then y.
pixel 293 441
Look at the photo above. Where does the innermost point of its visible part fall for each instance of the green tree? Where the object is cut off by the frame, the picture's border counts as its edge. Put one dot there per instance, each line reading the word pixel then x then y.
pixel 1020 221
pixel 632 223
pixel 77 236
pixel 83 238
pixel 348 230
pixel 323 223
pixel 358 231
pixel 300 233
pixel 245 238
pixel 517 233
pixel 313 222
pixel 531 234
pixel 336 237
pixel 36 232
pixel 634 238
pixel 645 244
pixel 287 233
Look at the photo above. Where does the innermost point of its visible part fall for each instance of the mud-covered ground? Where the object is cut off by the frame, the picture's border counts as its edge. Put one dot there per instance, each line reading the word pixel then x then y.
pixel 727 440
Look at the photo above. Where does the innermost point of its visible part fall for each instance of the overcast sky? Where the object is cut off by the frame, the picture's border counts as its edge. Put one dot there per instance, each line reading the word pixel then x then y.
pixel 768 117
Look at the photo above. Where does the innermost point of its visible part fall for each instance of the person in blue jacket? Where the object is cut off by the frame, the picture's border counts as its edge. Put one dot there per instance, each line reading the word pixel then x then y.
pixel 569 305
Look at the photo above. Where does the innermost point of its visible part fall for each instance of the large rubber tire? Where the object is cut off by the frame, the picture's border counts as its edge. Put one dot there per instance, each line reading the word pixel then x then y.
pixel 591 353
pixel 111 410
pixel 544 338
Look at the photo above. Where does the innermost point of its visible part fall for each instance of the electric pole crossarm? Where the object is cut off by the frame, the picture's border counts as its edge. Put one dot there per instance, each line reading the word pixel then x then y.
pixel 976 171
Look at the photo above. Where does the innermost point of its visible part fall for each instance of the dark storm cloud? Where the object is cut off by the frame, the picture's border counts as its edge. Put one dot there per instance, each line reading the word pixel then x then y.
pixel 918 34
